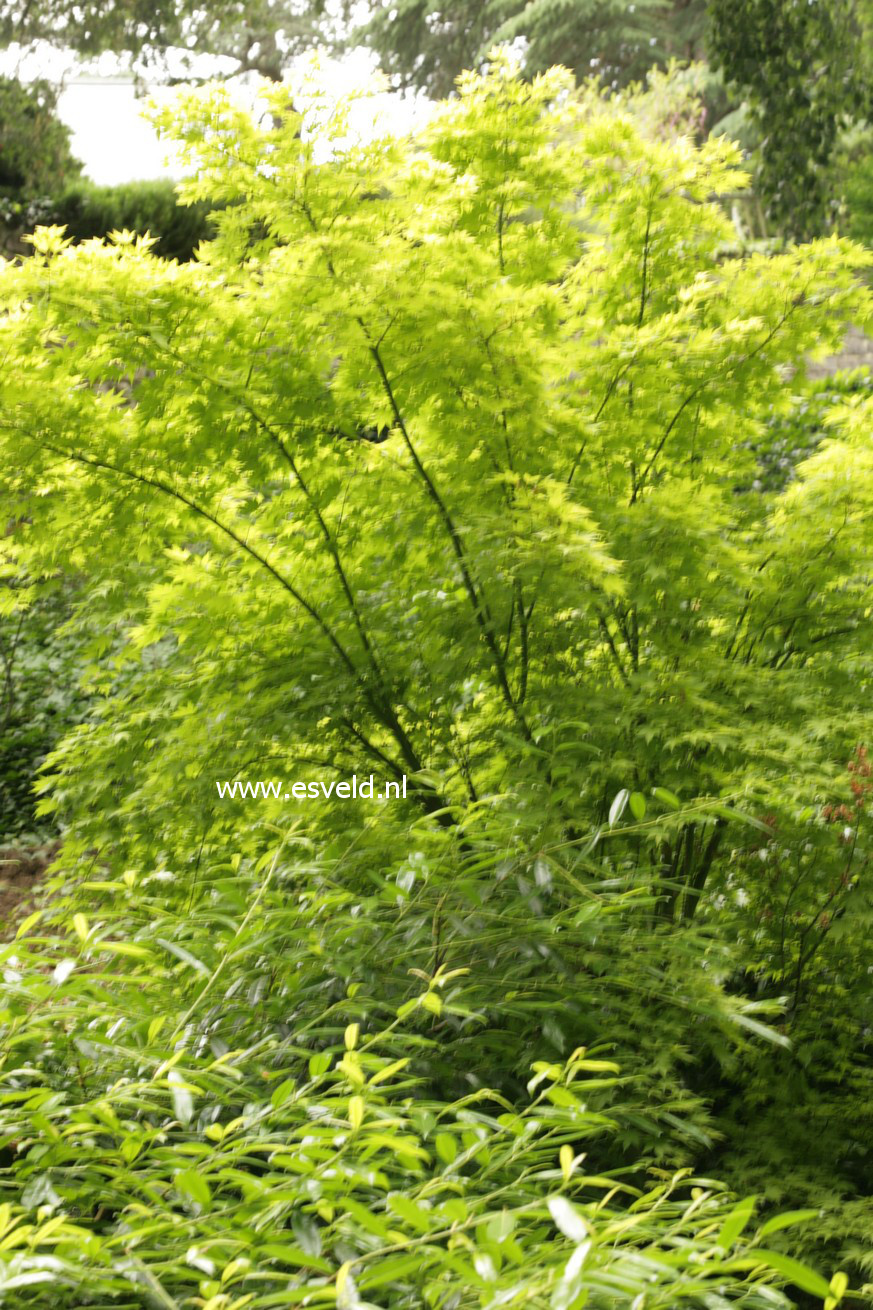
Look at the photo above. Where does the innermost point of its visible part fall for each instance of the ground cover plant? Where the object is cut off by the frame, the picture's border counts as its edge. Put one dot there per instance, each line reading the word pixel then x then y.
pixel 199 1157
pixel 441 462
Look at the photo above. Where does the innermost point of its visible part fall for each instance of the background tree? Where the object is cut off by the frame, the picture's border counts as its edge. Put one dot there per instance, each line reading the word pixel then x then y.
pixel 259 37
pixel 804 69
pixel 35 155
pixel 427 44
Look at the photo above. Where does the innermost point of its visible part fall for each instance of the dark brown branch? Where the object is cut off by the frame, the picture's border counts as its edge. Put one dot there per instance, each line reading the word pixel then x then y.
pixel 478 603
pixel 175 494
pixel 604 628
pixel 601 407
pixel 645 266
pixel 697 884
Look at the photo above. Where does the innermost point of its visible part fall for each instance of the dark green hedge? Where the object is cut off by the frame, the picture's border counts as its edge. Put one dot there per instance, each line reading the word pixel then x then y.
pixel 87 210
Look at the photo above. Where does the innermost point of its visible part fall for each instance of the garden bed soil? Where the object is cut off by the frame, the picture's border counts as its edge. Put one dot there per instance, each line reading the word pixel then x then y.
pixel 21 871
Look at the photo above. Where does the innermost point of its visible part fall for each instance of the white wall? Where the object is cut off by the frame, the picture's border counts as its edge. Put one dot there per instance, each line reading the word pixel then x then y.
pixel 109 134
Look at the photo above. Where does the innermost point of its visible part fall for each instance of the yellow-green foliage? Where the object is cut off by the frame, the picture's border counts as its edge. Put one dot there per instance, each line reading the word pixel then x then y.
pixel 428 466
